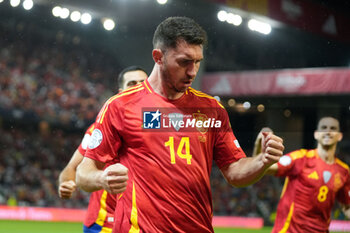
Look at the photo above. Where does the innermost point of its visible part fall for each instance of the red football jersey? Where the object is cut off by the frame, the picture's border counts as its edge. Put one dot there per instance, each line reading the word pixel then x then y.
pixel 101 204
pixel 309 192
pixel 168 155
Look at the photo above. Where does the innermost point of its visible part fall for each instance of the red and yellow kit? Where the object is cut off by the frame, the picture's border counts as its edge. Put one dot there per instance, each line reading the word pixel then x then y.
pixel 168 156
pixel 310 189
pixel 101 204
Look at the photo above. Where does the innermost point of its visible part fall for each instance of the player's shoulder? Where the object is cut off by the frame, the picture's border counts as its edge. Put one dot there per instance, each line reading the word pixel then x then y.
pixel 342 164
pixel 302 154
pixel 204 97
pixel 127 95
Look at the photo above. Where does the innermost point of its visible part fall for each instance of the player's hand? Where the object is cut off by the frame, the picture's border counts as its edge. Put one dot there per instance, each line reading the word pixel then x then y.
pixel 272 148
pixel 258 141
pixel 114 178
pixel 66 189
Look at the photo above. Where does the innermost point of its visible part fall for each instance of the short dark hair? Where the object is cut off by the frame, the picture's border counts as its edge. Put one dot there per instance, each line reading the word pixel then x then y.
pixel 120 78
pixel 173 29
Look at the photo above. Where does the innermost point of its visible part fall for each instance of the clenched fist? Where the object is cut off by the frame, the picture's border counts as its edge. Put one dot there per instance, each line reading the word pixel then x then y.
pixel 271 147
pixel 114 178
pixel 66 189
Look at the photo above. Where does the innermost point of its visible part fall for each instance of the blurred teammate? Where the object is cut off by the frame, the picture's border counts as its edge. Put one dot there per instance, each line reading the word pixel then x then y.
pixel 314 179
pixel 100 213
pixel 163 175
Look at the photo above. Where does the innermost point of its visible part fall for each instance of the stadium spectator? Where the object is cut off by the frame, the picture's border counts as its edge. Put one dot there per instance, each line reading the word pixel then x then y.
pixel 314 180
pixel 30 164
pixel 165 192
pixel 99 200
pixel 57 83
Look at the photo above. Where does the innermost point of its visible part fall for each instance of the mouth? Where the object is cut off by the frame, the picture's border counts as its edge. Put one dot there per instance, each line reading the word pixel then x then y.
pixel 188 81
pixel 187 84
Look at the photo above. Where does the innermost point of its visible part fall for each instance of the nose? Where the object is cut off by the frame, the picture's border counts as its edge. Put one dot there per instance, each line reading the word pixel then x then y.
pixel 192 69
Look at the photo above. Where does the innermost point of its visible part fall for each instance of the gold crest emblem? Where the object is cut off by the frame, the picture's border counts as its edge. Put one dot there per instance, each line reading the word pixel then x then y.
pixel 337 182
pixel 201 117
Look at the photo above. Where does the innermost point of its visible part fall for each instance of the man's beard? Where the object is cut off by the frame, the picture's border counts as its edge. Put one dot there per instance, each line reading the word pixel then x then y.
pixel 166 76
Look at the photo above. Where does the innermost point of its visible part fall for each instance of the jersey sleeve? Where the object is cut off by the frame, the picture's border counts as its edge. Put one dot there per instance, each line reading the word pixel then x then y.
pixel 288 164
pixel 84 143
pixel 226 147
pixel 105 141
pixel 343 195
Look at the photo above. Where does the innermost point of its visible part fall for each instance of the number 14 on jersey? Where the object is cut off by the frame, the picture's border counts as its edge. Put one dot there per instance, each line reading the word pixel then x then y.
pixel 184 143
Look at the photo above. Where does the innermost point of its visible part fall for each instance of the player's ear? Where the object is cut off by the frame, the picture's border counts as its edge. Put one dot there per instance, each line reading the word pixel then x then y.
pixel 340 136
pixel 157 55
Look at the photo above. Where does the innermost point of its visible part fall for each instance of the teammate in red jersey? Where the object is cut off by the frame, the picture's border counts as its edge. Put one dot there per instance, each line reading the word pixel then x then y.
pixel 166 136
pixel 100 214
pixel 314 180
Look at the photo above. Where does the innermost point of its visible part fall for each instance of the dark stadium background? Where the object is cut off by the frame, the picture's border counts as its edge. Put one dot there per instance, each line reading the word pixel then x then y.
pixel 40 129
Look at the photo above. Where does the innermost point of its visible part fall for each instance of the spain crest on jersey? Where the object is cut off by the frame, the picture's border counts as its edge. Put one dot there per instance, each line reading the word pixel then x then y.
pixel 201 117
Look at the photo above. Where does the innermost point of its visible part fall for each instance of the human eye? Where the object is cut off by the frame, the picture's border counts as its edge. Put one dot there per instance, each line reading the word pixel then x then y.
pixel 184 62
pixel 333 128
pixel 131 83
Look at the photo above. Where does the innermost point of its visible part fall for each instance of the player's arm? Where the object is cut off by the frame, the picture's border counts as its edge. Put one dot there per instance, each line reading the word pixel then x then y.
pixel 346 210
pixel 248 170
pixel 272 170
pixel 67 177
pixel 91 176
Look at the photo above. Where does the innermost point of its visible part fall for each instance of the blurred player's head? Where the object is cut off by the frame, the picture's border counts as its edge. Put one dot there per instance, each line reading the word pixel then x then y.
pixel 177 51
pixel 130 76
pixel 328 131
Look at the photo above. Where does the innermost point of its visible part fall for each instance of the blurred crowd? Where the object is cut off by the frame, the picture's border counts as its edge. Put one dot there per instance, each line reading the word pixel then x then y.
pixel 60 83
pixel 30 163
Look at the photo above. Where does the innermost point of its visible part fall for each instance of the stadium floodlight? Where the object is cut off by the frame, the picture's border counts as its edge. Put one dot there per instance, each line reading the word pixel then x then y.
pixel 64 13
pixel 85 18
pixel 234 19
pixel 231 102
pixel 246 105
pixel 287 113
pixel 222 16
pixel 15 3
pixel 28 4
pixel 75 16
pixel 56 11
pixel 162 2
pixel 260 108
pixel 108 24
pixel 259 26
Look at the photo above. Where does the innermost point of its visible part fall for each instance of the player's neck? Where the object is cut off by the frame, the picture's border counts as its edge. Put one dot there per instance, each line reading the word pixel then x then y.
pixel 326 153
pixel 161 88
